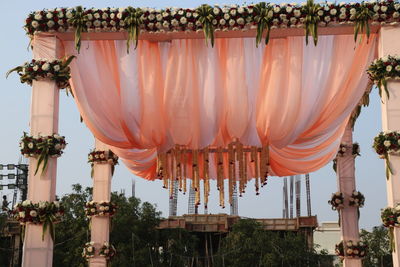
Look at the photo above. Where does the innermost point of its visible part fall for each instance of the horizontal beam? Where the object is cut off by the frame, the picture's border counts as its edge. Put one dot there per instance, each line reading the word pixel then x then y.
pixel 337 29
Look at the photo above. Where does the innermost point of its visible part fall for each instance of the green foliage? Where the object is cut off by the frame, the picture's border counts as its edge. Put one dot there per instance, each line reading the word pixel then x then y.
pixel 378 247
pixel 249 245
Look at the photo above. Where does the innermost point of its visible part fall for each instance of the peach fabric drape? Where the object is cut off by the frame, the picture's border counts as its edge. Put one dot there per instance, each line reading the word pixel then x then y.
pixel 295 98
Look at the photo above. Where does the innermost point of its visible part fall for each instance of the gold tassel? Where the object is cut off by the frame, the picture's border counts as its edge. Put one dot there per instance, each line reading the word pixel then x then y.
pixel 231 159
pixel 220 177
pixel 239 157
pixel 184 171
pixel 254 159
pixel 195 175
pixel 245 155
pixel 163 169
pixel 178 158
pixel 206 174
pixel 264 165
pixel 167 168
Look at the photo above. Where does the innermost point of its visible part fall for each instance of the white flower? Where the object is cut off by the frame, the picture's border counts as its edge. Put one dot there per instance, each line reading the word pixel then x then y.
pixel 91 243
pixel 349 243
pixel 60 15
pixel 57 146
pixel 349 251
pixel 33 213
pixel 383 8
pixel 26 203
pixel 30 145
pixel 387 143
pixel 232 22
pixel 38 16
pixel 21 214
pixel 151 16
pixel 343 149
pixel 361 243
pixel 69 14
pixel 165 14
pixel 289 9
pixel 385 58
pixel 376 8
pixel 188 14
pixel 159 17
pixel 96 23
pixel 240 21
pixel 389 68
pixel 93 210
pixel 222 22
pixel 320 13
pixel 395 15
pixel 342 16
pixel 353 11
pixel 398 141
pixel 42 204
pixel 183 20
pixel 333 11
pixel 240 10
pixel 101 208
pixel 226 16
pixel 397 6
pixel 35 24
pixel 159 25
pixel 293 20
pixel 60 22
pixel 90 249
pixel 277 9
pixel 46 66
pixel 57 204
pixel 233 12
pixel 297 13
pixel 104 16
pixel 165 24
pixel 195 14
pixel 327 18
pixel 175 22
pixel 49 15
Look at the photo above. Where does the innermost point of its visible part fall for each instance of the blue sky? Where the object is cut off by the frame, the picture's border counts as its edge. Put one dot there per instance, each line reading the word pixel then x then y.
pixel 72 166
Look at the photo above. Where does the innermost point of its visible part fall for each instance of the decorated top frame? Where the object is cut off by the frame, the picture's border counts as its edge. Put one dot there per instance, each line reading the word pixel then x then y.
pixel 259 18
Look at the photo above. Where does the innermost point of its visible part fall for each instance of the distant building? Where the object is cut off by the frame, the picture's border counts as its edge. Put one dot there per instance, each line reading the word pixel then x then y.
pixel 327 235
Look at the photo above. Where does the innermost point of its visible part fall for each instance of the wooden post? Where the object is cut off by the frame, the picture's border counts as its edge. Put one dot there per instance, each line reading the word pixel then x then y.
pixel 346 185
pixel 100 225
pixel 42 186
pixel 389 45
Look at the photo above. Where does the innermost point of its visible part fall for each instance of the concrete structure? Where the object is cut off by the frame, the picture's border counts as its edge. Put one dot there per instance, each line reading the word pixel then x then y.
pixel 327 235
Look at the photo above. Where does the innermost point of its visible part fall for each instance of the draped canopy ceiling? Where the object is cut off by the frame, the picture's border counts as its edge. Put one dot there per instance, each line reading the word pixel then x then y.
pixel 179 108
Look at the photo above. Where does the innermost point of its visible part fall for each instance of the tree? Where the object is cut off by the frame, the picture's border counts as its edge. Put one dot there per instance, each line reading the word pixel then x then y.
pixel 249 245
pixel 378 243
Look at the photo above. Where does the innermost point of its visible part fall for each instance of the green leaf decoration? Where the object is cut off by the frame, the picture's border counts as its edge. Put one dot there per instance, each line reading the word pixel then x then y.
pixel 78 21
pixel 362 18
pixel 133 21
pixel 206 17
pixel 17 69
pixel 263 19
pixel 388 167
pixel 311 20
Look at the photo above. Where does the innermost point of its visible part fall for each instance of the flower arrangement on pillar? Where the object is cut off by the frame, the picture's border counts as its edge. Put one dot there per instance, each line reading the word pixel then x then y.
pixel 383 69
pixel 102 208
pixel 89 250
pixel 391 218
pixel 357 199
pixel 337 201
pixel 351 249
pixel 385 144
pixel 107 251
pixel 103 157
pixel 343 149
pixel 43 212
pixel 41 69
pixel 42 147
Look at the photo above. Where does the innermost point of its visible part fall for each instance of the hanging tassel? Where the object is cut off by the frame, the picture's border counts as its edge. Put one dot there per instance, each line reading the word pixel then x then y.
pixel 178 166
pixel 206 174
pixel 184 171
pixel 231 159
pixel 244 176
pixel 254 160
pixel 239 158
pixel 220 177
pixel 167 169
pixel 195 176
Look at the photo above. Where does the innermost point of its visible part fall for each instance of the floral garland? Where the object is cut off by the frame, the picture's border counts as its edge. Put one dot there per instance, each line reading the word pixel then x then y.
pixel 40 69
pixel 337 201
pixel 391 218
pixel 211 19
pixel 383 69
pixel 356 199
pixel 107 250
pixel 351 249
pixel 88 250
pixel 103 157
pixel 42 147
pixel 44 212
pixel 102 208
pixel 385 144
pixel 343 148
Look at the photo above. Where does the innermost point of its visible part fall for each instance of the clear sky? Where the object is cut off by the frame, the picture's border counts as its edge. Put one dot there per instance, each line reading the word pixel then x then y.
pixel 72 166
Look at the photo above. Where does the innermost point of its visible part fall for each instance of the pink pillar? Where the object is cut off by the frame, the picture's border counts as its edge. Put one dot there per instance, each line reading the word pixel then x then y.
pixel 42 187
pixel 100 230
pixel 389 45
pixel 346 184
